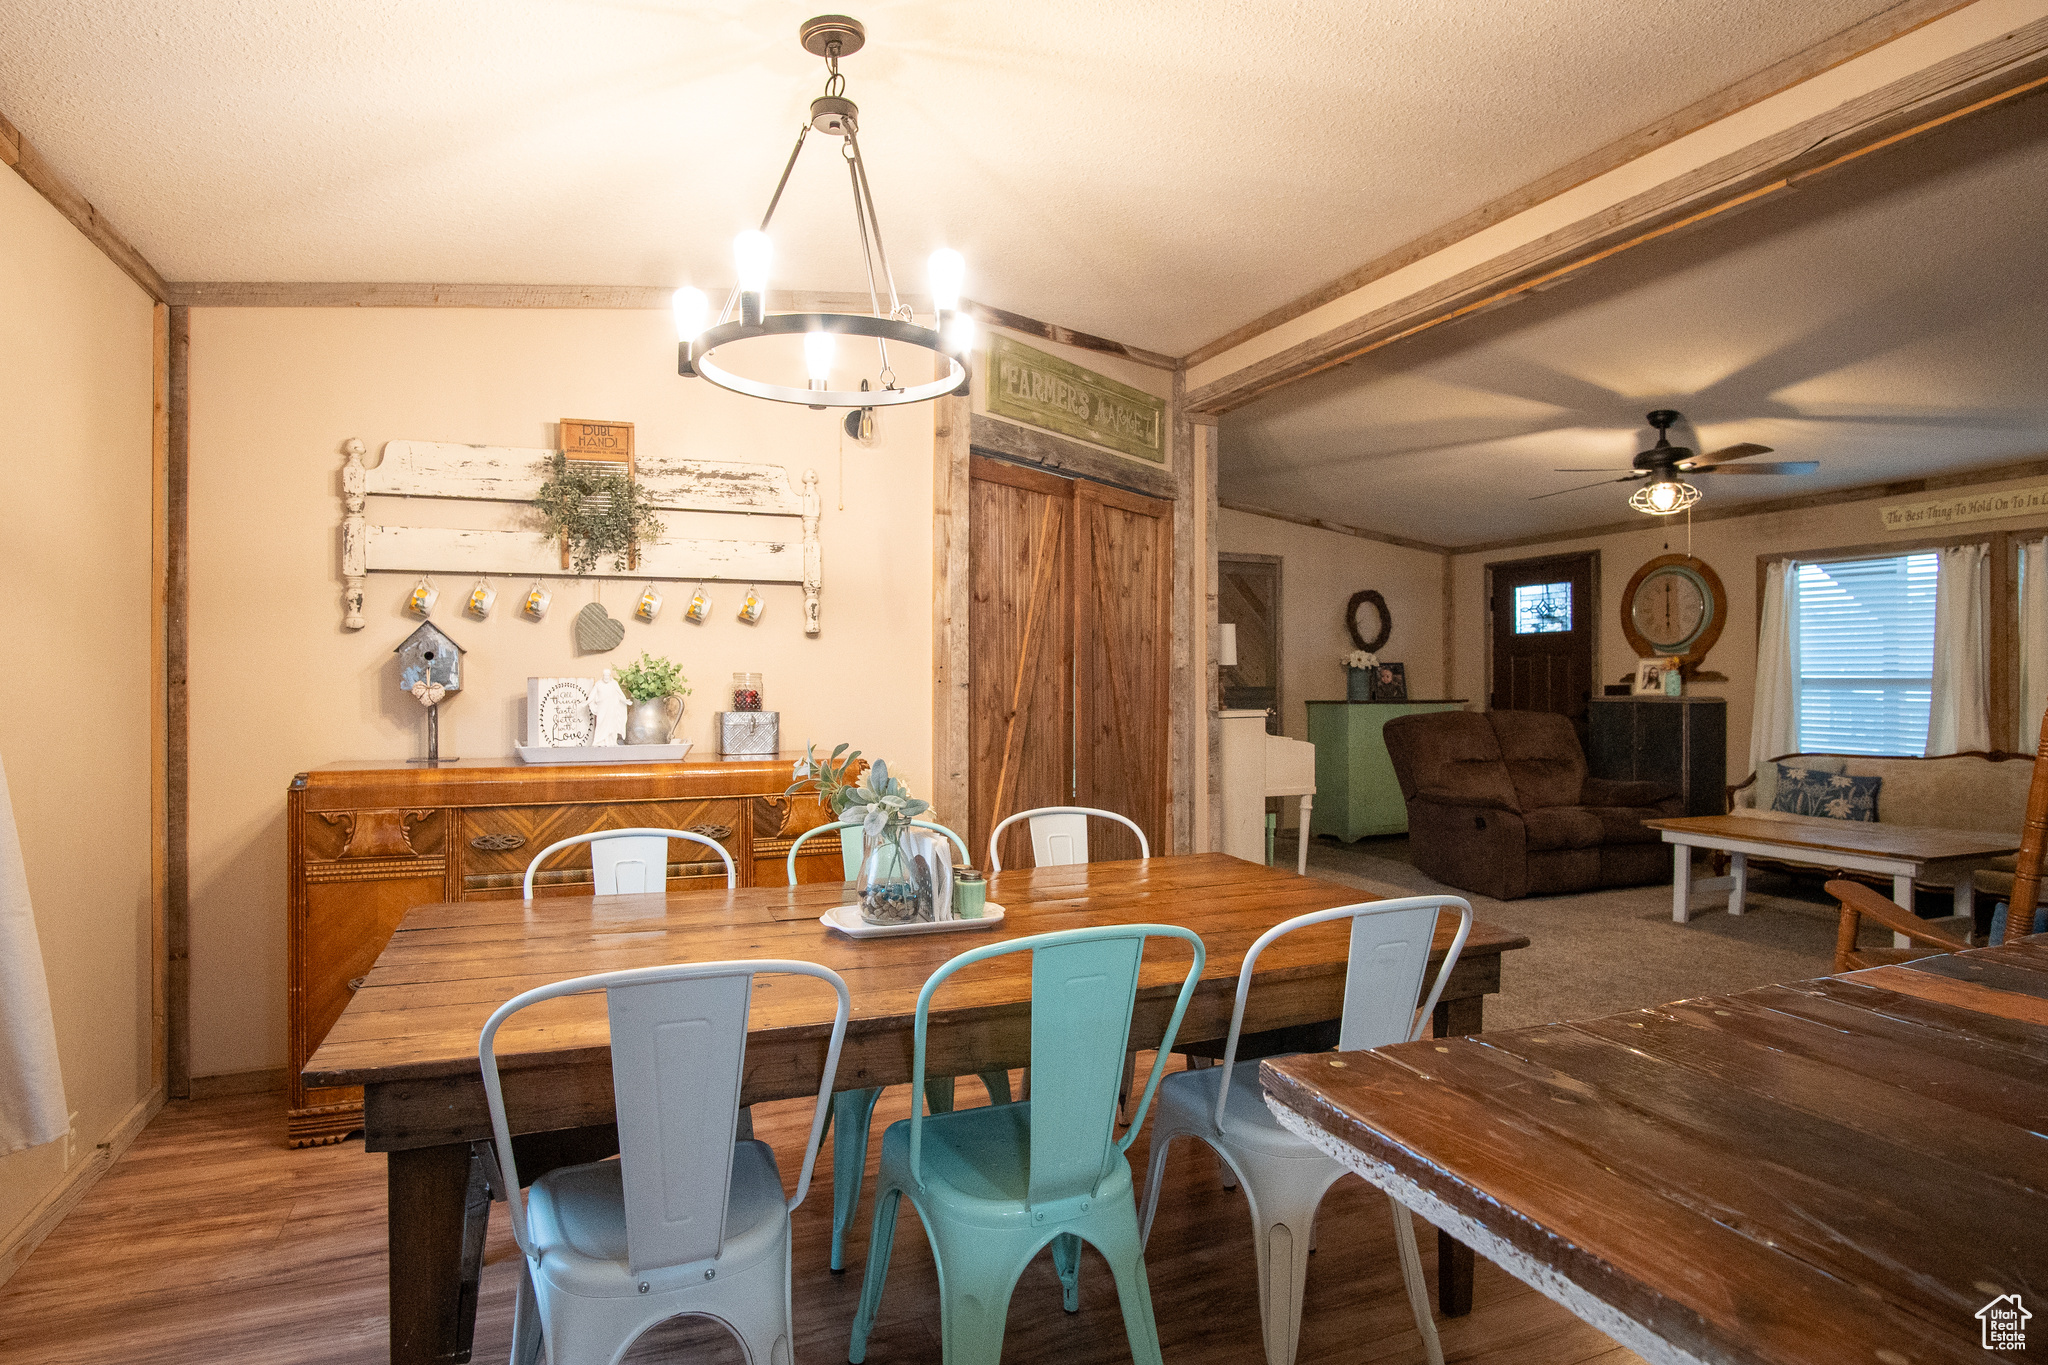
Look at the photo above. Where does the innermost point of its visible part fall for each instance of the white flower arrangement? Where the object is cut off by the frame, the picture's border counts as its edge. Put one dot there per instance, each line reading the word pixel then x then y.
pixel 1359 658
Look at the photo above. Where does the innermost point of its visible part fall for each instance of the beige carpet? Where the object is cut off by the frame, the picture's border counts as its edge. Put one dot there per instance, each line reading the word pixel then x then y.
pixel 1606 951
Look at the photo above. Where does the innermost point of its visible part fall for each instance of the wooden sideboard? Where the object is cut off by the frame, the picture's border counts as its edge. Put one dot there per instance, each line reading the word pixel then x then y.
pixel 365 842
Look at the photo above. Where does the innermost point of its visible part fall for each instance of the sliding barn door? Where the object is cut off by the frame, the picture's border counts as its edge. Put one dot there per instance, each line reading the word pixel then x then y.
pixel 1123 637
pixel 1020 647
pixel 1070 641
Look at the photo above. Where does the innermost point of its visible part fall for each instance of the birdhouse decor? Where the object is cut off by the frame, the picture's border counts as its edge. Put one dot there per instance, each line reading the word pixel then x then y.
pixel 430 668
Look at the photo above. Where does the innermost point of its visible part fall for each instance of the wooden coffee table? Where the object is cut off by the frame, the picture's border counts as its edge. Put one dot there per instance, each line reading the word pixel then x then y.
pixel 1902 852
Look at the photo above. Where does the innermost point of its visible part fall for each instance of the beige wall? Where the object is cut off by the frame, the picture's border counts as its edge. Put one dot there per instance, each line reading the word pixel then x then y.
pixel 1318 573
pixel 1731 548
pixel 278 686
pixel 75 481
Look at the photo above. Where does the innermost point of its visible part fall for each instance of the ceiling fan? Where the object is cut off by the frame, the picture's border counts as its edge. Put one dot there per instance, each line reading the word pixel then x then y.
pixel 1661 467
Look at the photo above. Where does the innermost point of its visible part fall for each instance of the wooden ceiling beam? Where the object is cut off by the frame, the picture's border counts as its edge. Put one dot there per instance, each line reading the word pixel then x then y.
pixel 17 151
pixel 1977 78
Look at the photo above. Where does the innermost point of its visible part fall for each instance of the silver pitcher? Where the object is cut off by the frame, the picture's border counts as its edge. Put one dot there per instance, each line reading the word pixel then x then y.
pixel 653 722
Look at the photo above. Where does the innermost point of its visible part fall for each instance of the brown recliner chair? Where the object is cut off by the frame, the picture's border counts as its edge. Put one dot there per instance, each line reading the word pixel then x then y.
pixel 1499 803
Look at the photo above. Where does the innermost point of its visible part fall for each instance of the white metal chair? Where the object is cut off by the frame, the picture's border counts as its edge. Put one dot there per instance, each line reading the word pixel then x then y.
pixel 1284 1178
pixel 623 861
pixel 1059 835
pixel 853 1111
pixel 687 1220
pixel 850 849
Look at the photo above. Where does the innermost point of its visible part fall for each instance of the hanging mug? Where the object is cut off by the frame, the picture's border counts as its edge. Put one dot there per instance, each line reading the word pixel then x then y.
pixel 700 606
pixel 650 604
pixel 536 604
pixel 481 597
pixel 750 610
pixel 424 595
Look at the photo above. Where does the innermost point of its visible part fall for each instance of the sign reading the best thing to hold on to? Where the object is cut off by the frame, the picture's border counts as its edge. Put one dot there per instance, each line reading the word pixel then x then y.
pixel 2013 502
pixel 1056 394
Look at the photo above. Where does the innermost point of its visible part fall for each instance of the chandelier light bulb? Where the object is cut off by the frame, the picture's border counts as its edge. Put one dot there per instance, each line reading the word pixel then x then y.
pixel 959 334
pixel 752 253
pixel 818 348
pixel 948 270
pixel 691 309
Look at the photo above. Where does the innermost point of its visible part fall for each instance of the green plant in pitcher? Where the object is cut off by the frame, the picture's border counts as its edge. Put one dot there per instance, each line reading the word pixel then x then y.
pixel 650 679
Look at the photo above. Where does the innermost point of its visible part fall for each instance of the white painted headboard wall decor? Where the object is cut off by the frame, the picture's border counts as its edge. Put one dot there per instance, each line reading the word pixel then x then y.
pixel 433 469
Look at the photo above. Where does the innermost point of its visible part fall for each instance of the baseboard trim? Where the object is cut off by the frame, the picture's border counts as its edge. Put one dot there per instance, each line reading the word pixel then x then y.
pixel 20 1242
pixel 267 1082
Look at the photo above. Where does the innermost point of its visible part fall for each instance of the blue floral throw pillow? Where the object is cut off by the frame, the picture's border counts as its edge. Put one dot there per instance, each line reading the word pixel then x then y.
pixel 1836 796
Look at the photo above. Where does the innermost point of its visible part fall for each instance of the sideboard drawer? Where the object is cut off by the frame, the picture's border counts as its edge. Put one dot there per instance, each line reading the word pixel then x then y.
pixel 499 841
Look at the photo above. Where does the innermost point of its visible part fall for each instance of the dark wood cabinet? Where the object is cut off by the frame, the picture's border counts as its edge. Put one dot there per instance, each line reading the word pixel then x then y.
pixel 1679 741
pixel 366 842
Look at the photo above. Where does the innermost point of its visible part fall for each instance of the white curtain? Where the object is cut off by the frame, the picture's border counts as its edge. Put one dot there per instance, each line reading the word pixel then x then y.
pixel 1959 717
pixel 31 1089
pixel 1774 719
pixel 2033 644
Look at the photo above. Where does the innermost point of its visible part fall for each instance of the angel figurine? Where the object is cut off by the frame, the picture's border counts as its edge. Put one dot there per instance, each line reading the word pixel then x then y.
pixel 608 706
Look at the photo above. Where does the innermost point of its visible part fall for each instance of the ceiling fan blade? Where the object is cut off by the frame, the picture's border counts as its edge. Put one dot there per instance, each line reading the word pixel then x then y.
pixel 1767 467
pixel 1723 455
pixel 1603 469
pixel 1631 478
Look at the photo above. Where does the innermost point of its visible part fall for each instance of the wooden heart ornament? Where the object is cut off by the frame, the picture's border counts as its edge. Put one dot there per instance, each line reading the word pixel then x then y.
pixel 596 631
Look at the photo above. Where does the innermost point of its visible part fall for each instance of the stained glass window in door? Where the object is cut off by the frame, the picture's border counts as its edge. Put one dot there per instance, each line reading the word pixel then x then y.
pixel 1543 608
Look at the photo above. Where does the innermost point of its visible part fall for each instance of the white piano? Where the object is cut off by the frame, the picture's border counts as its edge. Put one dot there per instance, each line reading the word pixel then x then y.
pixel 1257 765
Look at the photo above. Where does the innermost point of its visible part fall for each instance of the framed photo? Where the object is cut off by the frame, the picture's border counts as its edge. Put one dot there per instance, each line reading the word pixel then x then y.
pixel 1649 677
pixel 1390 682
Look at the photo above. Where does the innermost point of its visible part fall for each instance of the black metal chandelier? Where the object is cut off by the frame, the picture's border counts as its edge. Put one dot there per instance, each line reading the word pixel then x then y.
pixel 743 318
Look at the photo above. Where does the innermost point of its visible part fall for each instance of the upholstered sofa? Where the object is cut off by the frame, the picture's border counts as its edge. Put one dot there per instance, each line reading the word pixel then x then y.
pixel 1975 791
pixel 1499 803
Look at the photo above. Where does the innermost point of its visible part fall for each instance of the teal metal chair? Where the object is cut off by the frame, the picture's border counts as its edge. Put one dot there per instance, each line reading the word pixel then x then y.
pixel 853 1111
pixel 993 1186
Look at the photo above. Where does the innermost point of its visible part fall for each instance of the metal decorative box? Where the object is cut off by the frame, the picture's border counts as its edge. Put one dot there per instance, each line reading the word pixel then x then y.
pixel 747 734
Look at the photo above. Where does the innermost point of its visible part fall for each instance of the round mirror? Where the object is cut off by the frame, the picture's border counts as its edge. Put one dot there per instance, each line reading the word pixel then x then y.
pixel 1674 606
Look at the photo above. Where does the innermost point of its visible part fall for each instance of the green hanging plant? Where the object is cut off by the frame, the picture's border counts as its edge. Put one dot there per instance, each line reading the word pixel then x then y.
pixel 599 514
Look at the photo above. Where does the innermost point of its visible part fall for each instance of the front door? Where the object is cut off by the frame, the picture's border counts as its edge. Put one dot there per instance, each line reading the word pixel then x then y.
pixel 1543 616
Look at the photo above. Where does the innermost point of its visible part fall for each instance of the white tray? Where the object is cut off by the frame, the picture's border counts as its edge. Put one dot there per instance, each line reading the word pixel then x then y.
pixel 846 919
pixel 606 753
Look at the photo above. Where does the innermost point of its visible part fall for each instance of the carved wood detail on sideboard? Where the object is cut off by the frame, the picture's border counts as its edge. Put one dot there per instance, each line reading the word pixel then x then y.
pixel 367 843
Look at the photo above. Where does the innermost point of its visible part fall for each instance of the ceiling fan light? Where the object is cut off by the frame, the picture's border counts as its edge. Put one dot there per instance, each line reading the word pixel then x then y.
pixel 1664 498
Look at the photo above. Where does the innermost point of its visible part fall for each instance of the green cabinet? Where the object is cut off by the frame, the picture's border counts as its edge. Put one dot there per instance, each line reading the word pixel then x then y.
pixel 1356 793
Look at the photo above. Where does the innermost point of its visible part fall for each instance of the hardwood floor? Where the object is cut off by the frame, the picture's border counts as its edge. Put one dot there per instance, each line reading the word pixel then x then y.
pixel 210 1242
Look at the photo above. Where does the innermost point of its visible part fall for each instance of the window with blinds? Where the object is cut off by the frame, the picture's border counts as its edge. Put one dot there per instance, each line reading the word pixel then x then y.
pixel 1865 654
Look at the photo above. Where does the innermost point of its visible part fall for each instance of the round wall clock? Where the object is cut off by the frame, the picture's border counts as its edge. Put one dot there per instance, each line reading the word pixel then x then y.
pixel 1675 606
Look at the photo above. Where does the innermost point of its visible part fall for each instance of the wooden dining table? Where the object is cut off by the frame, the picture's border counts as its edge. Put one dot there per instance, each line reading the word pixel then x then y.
pixel 1846 1170
pixel 408 1036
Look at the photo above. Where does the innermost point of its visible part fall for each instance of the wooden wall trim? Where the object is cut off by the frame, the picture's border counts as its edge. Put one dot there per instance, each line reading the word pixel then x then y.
pixel 991 316
pixel 951 454
pixel 1847 45
pixel 177 761
pixel 1978 79
pixel 18 152
pixel 1213 678
pixel 1340 528
pixel 1932 483
pixel 1071 459
pixel 1182 761
pixel 426 294
pixel 51 1209
pixel 159 693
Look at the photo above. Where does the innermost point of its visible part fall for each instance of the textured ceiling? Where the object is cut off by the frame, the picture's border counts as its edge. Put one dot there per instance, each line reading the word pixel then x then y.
pixel 1159 171
pixel 1889 321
